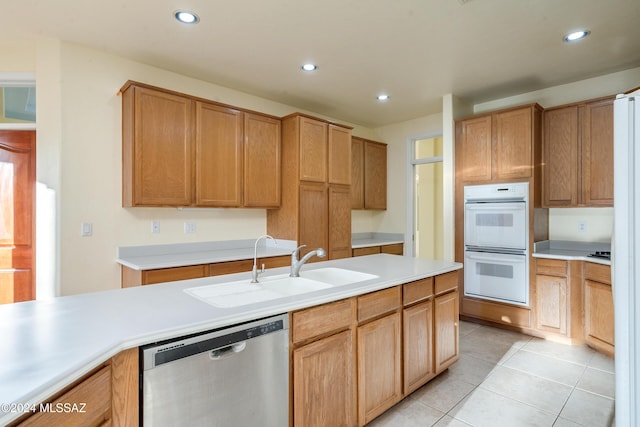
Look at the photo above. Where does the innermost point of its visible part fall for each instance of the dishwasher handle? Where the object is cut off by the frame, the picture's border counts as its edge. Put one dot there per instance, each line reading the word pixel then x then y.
pixel 228 351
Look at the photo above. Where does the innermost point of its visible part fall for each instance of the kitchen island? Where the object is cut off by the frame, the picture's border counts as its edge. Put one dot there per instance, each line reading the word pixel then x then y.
pixel 50 344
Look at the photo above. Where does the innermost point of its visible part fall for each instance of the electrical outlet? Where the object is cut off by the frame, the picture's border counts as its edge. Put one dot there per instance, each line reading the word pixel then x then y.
pixel 582 226
pixel 155 226
pixel 189 227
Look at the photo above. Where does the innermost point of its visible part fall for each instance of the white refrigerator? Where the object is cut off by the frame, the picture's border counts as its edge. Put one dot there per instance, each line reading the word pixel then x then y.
pixel 626 257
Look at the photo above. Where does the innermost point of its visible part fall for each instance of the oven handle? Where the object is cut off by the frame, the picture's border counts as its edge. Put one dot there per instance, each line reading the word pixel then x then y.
pixel 497 257
pixel 482 207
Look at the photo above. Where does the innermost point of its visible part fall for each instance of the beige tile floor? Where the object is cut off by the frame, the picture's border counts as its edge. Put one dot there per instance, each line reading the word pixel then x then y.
pixel 508 379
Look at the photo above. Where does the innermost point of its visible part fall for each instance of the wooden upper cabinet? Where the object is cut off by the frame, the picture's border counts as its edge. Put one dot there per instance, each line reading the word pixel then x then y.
pixel 499 146
pixel 262 161
pixel 357 173
pixel 218 155
pixel 313 150
pixel 578 154
pixel 512 145
pixel 157 148
pixel 473 138
pixel 180 150
pixel 339 161
pixel 561 157
pixel 375 175
pixel 597 153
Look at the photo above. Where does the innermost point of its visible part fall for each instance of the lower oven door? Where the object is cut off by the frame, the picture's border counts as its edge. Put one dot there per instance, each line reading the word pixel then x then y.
pixel 497 276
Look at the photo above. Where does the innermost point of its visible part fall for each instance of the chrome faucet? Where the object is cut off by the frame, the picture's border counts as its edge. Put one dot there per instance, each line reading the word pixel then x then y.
pixel 296 263
pixel 254 271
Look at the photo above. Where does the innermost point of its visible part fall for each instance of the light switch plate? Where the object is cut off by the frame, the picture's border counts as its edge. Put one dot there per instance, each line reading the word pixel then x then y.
pixel 189 227
pixel 87 229
pixel 155 226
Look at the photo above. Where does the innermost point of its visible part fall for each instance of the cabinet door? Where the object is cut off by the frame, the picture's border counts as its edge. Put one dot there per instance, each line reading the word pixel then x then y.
pixel 379 367
pixel 446 314
pixel 339 155
pixel 357 173
pixel 551 304
pixel 160 140
pixel 323 382
pixel 313 150
pixel 161 275
pixel 512 144
pixel 262 182
pixel 339 222
pixel 417 324
pixel 598 316
pixel 375 175
pixel 313 217
pixel 597 153
pixel 473 145
pixel 561 157
pixel 218 155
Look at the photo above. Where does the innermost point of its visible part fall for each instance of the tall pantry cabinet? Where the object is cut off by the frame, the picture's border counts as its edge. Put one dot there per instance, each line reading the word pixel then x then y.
pixel 316 180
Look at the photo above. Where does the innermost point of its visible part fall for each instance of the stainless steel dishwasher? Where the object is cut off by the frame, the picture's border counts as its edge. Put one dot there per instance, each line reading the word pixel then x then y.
pixel 236 376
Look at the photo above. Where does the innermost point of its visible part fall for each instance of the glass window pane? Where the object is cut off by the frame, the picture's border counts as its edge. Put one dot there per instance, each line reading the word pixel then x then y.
pixel 18 104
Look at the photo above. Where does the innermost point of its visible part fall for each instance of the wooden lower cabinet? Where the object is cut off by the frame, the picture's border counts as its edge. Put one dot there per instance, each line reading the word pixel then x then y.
pixel 447 321
pixel 379 367
pixel 393 249
pixel 108 396
pixel 598 308
pixel 551 304
pixel 323 382
pixel 417 324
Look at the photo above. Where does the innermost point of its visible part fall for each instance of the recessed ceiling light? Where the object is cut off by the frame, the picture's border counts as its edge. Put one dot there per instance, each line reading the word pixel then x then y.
pixel 309 67
pixel 382 97
pixel 576 35
pixel 186 17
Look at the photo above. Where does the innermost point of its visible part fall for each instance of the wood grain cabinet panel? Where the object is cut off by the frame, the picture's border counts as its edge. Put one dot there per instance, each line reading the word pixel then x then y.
pixel 218 155
pixel 339 160
pixel 473 138
pixel 417 328
pixel 446 314
pixel 598 308
pixel 379 367
pixel 339 222
pixel 324 392
pixel 262 161
pixel 357 173
pixel 551 304
pixel 313 150
pixel 375 175
pixel 578 154
pixel 512 145
pixel 176 273
pixel 157 148
pixel 370 250
pixel 314 221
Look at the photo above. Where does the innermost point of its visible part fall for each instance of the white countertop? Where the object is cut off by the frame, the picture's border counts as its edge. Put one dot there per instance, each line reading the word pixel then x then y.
pixel 570 251
pixel 49 344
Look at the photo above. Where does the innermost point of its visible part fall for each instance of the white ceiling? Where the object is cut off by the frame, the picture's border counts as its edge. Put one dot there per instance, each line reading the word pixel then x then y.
pixel 414 50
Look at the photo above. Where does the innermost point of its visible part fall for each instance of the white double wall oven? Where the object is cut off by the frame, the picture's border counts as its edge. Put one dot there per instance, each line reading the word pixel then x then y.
pixel 496 237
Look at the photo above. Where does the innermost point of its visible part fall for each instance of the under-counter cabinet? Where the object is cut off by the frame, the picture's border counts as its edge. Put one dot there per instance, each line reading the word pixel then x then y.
pixel 379 353
pixel 108 396
pixel 316 206
pixel 446 313
pixel 598 308
pixel 180 150
pixel 323 365
pixel 558 306
pixel 417 327
pixel 392 249
pixel 578 154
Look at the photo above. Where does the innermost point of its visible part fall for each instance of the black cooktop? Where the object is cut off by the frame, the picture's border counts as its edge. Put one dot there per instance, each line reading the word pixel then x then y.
pixel 601 254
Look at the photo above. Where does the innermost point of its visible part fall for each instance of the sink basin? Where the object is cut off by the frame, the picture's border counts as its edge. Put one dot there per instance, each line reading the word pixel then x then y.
pixel 234 294
pixel 337 276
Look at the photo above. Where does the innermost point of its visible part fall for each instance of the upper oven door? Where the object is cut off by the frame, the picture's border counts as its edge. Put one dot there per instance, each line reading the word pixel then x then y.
pixel 496 225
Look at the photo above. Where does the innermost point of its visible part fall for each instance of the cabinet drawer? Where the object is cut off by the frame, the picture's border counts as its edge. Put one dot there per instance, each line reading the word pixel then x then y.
pixel 170 274
pixel 551 267
pixel 366 251
pixel 597 272
pixel 94 394
pixel 446 282
pixel 417 291
pixel 275 261
pixel 395 249
pixel 230 267
pixel 322 319
pixel 378 303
